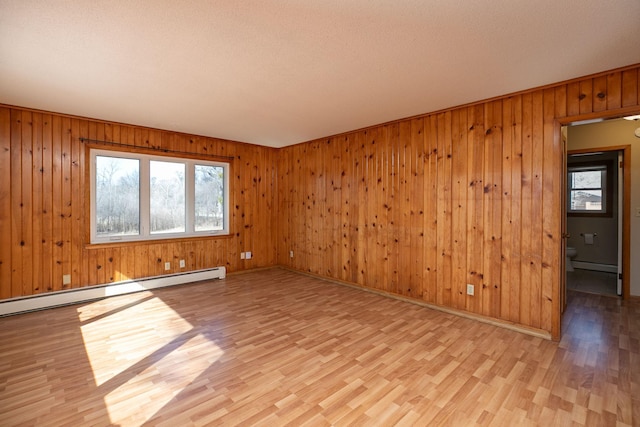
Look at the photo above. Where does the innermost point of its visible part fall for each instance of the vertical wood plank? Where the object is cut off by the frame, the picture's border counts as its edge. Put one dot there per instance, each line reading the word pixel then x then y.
pixel 394 207
pixel 536 212
pixel 47 204
pixel 26 204
pixel 82 201
pixel 551 217
pixel 57 202
pixel 37 195
pixel 492 204
pixel 358 257
pixel 600 93
pixel 431 210
pixel 342 218
pixel 527 202
pixel 507 212
pixel 459 207
pixel 76 208
pixel 586 96
pixel 66 200
pixel 368 255
pixel 515 219
pixel 614 91
pixel 417 208
pixel 444 207
pixel 630 87
pixel 404 205
pixel 5 203
pixel 475 232
pixel 573 98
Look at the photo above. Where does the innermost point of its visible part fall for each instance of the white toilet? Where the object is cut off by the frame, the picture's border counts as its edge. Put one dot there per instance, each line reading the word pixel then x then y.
pixel 571 253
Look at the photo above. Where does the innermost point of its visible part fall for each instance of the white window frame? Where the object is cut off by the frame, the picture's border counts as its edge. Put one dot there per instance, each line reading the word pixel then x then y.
pixel 144 174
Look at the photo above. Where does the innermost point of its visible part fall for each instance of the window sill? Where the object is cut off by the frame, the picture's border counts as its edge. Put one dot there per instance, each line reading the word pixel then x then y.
pixel 117 244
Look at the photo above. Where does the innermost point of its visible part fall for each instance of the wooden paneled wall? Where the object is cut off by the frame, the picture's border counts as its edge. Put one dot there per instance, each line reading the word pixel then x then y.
pixel 43 226
pixel 422 207
pixel 419 207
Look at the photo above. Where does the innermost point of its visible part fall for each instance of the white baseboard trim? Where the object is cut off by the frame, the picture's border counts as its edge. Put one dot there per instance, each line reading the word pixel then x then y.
pixel 74 296
pixel 607 268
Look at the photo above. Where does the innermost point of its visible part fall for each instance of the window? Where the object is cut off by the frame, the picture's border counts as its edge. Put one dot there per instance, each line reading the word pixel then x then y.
pixel 145 197
pixel 589 189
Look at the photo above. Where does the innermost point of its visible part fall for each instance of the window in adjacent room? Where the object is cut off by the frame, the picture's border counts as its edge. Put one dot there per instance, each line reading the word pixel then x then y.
pixel 589 189
pixel 145 197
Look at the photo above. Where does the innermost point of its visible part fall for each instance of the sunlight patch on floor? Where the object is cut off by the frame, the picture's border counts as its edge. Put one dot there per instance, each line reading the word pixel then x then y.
pixel 132 343
pixel 111 347
pixel 177 370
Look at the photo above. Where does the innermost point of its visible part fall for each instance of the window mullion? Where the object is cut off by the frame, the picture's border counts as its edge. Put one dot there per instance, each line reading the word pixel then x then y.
pixel 190 197
pixel 145 198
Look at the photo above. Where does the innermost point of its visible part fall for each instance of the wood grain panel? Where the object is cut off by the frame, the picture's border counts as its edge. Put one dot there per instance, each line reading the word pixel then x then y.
pixel 5 202
pixel 417 207
pixel 431 209
pixel 15 214
pixel 459 182
pixel 489 189
pixel 509 230
pixel 492 205
pixel 43 206
pixel 630 87
pixel 551 223
pixel 57 204
pixel 26 204
pixel 537 162
pixel 475 153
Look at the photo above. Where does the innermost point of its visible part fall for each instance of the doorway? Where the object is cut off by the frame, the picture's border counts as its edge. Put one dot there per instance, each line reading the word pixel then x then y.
pixel 596 209
pixel 594 221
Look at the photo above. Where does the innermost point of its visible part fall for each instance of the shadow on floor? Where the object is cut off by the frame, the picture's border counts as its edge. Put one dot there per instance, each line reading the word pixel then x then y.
pixel 595 282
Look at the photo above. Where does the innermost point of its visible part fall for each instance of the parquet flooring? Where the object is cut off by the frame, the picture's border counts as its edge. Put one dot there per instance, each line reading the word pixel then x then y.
pixel 277 348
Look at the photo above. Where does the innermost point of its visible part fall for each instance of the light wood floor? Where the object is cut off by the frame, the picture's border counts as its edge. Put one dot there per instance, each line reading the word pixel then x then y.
pixel 276 348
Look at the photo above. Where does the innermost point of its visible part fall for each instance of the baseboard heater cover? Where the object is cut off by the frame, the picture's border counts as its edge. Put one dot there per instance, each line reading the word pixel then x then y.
pixel 74 296
pixel 594 266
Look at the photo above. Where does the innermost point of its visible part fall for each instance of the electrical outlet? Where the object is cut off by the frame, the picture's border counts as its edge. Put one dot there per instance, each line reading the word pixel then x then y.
pixel 167 266
pixel 290 254
pixel 637 211
pixel 182 264
pixel 66 279
pixel 470 289
pixel 247 255
pixel 242 255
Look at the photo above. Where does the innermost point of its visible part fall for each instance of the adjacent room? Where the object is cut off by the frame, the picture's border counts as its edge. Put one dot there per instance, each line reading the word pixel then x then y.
pixel 317 213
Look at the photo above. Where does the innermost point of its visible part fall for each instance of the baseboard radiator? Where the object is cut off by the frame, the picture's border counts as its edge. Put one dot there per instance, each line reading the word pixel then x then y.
pixel 594 266
pixel 74 296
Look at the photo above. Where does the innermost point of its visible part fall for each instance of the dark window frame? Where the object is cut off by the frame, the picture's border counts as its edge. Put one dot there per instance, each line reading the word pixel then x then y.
pixel 607 190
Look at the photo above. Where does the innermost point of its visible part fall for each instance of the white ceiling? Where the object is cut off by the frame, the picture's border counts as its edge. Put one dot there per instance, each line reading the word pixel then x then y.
pixel 277 72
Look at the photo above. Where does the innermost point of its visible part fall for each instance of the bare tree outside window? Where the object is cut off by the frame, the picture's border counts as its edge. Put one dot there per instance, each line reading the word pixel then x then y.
pixel 138 196
pixel 167 194
pixel 117 196
pixel 209 203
